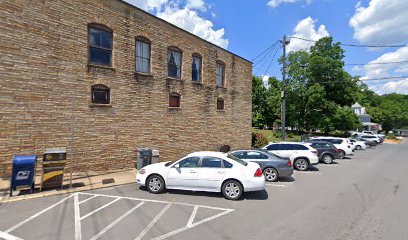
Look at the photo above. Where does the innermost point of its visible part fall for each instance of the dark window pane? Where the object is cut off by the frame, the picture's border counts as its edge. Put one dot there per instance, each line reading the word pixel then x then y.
pixel 220 75
pixel 142 57
pixel 174 63
pixel 100 94
pixel 274 147
pixel 227 164
pixel 211 162
pixel 191 162
pixel 196 69
pixel 240 155
pixel 174 101
pixel 220 104
pixel 100 56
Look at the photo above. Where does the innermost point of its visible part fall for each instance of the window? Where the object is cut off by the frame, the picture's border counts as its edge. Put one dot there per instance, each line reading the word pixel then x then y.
pixel 100 45
pixel 256 155
pixel 174 63
pixel 100 94
pixel 232 157
pixel 196 68
pixel 142 56
pixel 299 147
pixel 227 164
pixel 274 147
pixel 286 147
pixel 220 104
pixel 174 100
pixel 240 155
pixel 211 162
pixel 220 74
pixel 191 162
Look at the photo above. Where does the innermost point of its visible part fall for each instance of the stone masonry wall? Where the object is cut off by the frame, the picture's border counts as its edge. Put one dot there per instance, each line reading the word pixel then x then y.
pixel 43 63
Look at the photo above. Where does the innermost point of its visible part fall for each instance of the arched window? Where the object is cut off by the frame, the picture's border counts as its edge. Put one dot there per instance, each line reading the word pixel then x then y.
pixel 174 60
pixel 100 45
pixel 142 55
pixel 220 74
pixel 196 67
pixel 100 94
pixel 220 104
pixel 174 100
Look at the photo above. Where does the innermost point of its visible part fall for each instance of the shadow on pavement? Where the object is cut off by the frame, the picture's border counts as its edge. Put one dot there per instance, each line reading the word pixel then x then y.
pixel 313 169
pixel 286 179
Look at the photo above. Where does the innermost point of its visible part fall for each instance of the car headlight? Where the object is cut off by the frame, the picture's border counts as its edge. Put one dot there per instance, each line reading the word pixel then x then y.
pixel 142 171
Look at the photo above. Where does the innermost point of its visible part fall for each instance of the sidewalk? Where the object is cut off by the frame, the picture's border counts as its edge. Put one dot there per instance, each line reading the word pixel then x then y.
pixel 80 182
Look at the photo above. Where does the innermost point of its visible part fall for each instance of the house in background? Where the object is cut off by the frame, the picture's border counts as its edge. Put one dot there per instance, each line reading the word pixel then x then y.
pixel 365 119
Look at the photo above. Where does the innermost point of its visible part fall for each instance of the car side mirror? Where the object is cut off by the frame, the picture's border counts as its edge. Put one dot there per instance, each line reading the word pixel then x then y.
pixel 177 165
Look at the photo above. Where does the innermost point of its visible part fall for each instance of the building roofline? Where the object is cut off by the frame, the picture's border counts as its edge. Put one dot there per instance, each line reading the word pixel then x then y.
pixel 139 9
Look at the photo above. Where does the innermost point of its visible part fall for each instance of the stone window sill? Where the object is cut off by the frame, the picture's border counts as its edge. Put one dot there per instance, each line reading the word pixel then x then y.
pixel 221 111
pixel 174 108
pixel 97 105
pixel 142 74
pixel 90 66
pixel 175 79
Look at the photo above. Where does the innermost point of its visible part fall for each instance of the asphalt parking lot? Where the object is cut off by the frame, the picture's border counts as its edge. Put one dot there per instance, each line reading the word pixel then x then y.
pixel 363 197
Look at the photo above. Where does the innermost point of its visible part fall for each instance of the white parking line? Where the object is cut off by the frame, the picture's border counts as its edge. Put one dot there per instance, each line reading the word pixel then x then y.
pixel 141 235
pixel 37 214
pixel 84 201
pixel 98 209
pixel 275 185
pixel 77 217
pixel 316 173
pixel 193 214
pixel 116 222
pixel 7 236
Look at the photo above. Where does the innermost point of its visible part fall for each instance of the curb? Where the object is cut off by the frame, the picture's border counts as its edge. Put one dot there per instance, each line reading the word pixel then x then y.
pixel 47 194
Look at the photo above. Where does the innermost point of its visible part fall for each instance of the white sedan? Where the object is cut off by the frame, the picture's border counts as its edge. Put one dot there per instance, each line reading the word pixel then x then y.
pixel 204 171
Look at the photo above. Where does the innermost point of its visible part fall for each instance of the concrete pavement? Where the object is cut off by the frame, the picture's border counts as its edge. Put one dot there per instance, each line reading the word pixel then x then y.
pixel 359 198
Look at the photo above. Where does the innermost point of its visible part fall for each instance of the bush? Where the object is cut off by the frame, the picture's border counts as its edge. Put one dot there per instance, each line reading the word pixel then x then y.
pixel 290 135
pixel 259 140
pixel 277 134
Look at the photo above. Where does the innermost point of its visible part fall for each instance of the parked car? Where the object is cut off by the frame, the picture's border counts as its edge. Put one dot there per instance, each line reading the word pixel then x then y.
pixel 358 145
pixel 302 155
pixel 380 136
pixel 326 151
pixel 272 165
pixel 366 142
pixel 204 171
pixel 371 138
pixel 340 143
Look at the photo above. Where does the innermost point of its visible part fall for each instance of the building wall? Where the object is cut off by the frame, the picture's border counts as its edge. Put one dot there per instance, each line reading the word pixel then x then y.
pixel 43 63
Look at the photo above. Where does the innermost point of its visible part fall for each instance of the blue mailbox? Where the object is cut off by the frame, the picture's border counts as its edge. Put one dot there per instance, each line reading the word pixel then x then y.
pixel 23 172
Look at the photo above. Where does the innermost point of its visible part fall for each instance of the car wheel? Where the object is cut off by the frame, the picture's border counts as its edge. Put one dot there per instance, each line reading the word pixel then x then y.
pixel 328 159
pixel 342 154
pixel 271 174
pixel 358 147
pixel 232 190
pixel 301 164
pixel 155 184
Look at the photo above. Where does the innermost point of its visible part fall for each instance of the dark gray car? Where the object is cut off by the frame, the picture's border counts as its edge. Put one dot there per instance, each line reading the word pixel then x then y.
pixel 271 165
pixel 326 151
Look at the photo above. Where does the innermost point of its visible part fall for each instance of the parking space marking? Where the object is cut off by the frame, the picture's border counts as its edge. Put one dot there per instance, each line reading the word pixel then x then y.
pixel 84 201
pixel 100 208
pixel 77 217
pixel 316 173
pixel 148 227
pixel 116 221
pixel 7 236
pixel 38 214
pixel 275 185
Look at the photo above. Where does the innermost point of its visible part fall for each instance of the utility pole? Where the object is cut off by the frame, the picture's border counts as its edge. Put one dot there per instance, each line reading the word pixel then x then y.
pixel 283 95
pixel 71 165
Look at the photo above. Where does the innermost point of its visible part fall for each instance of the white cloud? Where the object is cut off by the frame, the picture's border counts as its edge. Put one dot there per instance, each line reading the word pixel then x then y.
pixel 306 29
pixel 190 20
pixel 373 70
pixel 276 3
pixel 381 22
pixel 196 4
pixel 265 80
pixel 392 87
pixel 148 4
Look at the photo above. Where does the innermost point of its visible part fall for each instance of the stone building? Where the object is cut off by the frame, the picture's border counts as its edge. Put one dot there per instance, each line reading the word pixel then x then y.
pixel 137 81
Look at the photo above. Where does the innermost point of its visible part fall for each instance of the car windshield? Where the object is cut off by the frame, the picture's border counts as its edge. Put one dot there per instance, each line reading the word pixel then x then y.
pixel 232 157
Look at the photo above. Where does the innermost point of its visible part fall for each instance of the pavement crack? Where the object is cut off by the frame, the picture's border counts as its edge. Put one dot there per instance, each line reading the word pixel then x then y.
pixel 396 188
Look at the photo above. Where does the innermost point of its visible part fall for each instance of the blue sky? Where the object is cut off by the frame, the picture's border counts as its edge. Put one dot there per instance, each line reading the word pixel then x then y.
pixel 247 27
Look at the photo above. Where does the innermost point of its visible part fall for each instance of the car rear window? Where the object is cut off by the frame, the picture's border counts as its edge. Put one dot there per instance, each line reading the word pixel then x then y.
pixel 232 157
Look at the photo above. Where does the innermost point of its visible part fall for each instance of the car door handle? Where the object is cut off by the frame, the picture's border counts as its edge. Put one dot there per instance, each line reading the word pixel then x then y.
pixel 221 172
pixel 192 171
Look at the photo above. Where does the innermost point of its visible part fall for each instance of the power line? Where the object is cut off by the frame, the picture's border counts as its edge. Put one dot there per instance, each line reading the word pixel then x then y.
pixel 271 46
pixel 264 60
pixel 374 63
pixel 356 45
pixel 273 58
